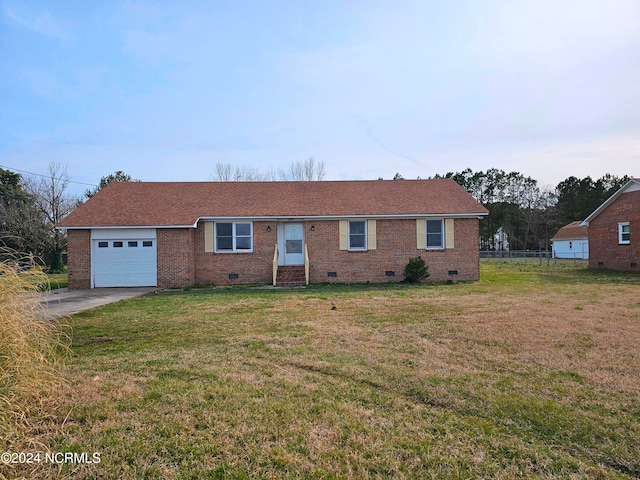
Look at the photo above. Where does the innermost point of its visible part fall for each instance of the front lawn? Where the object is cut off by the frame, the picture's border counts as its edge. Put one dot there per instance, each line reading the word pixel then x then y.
pixel 527 373
pixel 45 281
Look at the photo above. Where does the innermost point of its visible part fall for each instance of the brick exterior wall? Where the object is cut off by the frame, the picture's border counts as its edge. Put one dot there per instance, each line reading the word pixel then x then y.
pixel 79 259
pixel 182 260
pixel 396 243
pixel 255 267
pixel 176 257
pixel 604 249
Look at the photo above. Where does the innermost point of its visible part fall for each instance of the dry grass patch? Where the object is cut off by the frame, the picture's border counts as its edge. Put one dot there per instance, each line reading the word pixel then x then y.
pixel 32 350
pixel 502 378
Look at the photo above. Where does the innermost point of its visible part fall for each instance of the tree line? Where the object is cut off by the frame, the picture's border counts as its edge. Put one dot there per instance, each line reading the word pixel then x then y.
pixel 526 215
pixel 301 170
pixel 30 207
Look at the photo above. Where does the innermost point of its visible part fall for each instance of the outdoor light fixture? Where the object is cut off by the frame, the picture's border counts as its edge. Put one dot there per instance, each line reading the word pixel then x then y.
pixel 269 228
pixel 313 227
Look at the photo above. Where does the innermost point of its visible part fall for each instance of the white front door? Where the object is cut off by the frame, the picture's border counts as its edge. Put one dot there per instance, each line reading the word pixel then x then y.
pixel 293 244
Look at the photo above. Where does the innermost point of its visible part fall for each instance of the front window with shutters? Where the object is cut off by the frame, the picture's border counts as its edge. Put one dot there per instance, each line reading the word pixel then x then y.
pixel 234 236
pixel 435 234
pixel 357 235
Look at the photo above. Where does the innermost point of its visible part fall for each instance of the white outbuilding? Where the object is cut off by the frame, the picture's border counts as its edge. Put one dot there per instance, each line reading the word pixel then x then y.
pixel 571 241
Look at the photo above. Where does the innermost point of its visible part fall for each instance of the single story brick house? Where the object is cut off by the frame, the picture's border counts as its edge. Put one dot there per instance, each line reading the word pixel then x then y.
pixel 614 230
pixel 571 241
pixel 177 234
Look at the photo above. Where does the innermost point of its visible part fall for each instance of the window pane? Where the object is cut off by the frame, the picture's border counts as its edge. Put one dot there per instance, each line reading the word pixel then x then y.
pixel 293 246
pixel 117 244
pixel 103 244
pixel 224 229
pixel 624 232
pixel 224 243
pixel 434 240
pixel 243 229
pixel 224 236
pixel 132 244
pixel 434 226
pixel 356 228
pixel 356 241
pixel 357 235
pixel 243 243
pixel 147 243
pixel 434 234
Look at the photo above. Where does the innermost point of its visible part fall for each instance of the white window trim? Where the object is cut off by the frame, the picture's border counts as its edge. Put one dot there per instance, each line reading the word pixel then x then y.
pixel 426 234
pixel 620 227
pixel 366 239
pixel 233 236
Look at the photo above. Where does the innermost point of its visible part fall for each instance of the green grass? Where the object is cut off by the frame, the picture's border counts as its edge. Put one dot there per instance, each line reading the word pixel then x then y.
pixel 43 282
pixel 58 280
pixel 501 378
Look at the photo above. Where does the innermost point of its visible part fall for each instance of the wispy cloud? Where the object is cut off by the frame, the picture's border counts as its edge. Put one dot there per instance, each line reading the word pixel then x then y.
pixel 42 23
pixel 370 131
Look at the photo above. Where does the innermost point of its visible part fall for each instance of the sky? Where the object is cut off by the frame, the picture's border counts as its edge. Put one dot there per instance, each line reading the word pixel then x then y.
pixel 165 90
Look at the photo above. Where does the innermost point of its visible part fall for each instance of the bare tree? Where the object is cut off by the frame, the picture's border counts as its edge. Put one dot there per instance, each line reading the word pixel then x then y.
pixel 272 175
pixel 225 172
pixel 20 222
pixel 222 172
pixel 52 201
pixel 307 170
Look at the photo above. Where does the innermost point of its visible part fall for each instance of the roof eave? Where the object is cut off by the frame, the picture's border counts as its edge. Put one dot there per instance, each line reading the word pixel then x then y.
pixel 607 202
pixel 569 239
pixel 340 217
pixel 102 227
pixel 257 218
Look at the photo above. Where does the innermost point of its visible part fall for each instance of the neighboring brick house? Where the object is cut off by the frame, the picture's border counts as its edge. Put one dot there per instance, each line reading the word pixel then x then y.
pixel 614 230
pixel 176 234
pixel 571 241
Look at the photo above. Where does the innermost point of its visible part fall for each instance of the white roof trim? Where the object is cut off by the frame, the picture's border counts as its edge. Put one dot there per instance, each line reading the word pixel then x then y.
pixel 341 217
pixel 284 218
pixel 102 227
pixel 571 239
pixel 631 186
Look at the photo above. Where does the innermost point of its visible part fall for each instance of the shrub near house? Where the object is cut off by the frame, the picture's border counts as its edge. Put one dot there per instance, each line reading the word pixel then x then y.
pixel 178 234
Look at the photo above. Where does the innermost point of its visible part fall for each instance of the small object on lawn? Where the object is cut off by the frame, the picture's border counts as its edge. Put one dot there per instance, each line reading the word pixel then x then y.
pixel 333 307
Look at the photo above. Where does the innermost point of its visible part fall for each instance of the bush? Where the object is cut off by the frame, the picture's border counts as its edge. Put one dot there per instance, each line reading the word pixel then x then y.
pixel 415 270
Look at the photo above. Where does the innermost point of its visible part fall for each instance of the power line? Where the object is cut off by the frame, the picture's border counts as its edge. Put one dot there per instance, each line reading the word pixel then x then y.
pixel 46 176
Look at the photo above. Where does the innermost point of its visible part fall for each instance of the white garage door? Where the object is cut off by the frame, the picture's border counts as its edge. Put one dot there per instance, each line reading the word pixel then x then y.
pixel 124 258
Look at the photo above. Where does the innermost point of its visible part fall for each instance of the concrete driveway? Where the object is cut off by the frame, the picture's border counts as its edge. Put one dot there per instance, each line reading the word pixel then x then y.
pixel 62 302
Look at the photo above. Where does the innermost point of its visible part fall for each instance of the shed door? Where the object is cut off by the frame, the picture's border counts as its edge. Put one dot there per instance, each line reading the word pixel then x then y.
pixel 124 262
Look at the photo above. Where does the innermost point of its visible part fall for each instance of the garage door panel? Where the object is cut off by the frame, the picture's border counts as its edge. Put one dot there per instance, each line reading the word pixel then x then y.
pixel 125 263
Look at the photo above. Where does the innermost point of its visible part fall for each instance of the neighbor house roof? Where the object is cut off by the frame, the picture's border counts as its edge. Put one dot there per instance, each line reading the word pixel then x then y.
pixel 631 186
pixel 166 204
pixel 572 231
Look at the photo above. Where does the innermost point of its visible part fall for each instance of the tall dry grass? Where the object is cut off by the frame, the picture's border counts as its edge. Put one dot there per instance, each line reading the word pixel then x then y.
pixel 32 352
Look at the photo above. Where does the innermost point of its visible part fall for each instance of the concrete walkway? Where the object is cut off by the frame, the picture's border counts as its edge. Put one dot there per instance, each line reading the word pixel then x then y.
pixel 62 302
